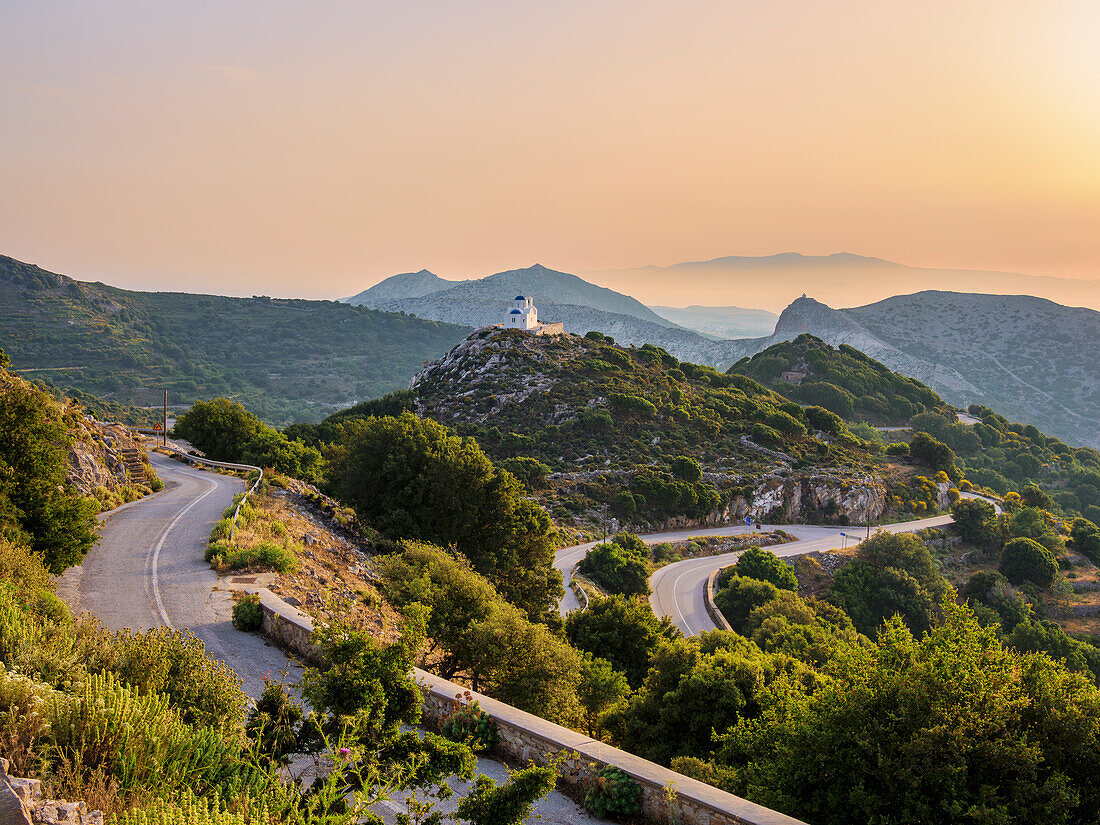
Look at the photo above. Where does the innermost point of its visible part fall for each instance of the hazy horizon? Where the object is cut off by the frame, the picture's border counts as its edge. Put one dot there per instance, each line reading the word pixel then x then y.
pixel 313 151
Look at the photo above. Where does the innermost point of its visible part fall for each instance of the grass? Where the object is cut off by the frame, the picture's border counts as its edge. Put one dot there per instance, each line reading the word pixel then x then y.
pixel 260 542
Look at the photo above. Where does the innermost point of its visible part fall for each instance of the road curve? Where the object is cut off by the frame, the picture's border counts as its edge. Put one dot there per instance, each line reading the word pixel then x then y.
pixel 147 570
pixel 676 590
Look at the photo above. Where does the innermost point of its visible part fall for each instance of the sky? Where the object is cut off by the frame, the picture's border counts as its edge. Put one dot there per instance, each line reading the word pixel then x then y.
pixel 312 149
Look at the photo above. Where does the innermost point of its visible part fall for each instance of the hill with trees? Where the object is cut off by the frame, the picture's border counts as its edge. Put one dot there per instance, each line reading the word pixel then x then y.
pixel 287 360
pixel 841 379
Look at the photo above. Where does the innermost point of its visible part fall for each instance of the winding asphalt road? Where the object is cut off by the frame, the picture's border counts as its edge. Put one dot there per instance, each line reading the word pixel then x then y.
pixel 147 570
pixel 676 590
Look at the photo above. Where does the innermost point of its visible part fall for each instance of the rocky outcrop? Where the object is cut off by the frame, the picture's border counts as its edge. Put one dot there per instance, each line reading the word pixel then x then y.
pixel 23 803
pixel 106 456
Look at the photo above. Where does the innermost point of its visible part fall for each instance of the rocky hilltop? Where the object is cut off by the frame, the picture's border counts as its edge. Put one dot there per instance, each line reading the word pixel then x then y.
pixel 1033 360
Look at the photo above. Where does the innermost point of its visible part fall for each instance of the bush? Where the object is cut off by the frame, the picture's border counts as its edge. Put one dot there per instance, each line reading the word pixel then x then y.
pixel 618 567
pixel 1024 559
pixel 471 726
pixel 758 563
pixel 265 554
pixel 613 791
pixel 900 448
pixel 248 614
pixel 740 596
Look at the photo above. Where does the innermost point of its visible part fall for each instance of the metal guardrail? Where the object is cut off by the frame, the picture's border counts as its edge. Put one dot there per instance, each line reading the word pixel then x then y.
pixel 578 589
pixel 225 465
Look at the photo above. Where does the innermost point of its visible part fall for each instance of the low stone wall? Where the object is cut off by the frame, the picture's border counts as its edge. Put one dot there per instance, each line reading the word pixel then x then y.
pixel 716 615
pixel 526 737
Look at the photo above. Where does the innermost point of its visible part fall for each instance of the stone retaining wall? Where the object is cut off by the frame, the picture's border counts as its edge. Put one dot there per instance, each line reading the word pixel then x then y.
pixel 525 737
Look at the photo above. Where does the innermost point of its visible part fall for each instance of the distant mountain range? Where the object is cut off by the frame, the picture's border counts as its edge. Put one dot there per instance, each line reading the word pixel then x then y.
pixel 844 279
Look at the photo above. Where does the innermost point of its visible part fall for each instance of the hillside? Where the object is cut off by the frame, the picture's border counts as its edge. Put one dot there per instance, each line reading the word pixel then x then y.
pixel 287 360
pixel 773 281
pixel 634 430
pixel 1028 358
pixel 841 379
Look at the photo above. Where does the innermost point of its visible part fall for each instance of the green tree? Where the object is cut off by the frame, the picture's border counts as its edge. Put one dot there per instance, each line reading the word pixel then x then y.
pixel 976 733
pixel 1024 559
pixel 221 428
pixel 479 637
pixel 618 567
pixel 974 521
pixel 686 468
pixel 935 454
pixel 411 478
pixel 508 804
pixel 695 687
pixel 893 574
pixel 737 597
pixel 758 563
pixel 37 504
pixel 621 630
pixel 601 687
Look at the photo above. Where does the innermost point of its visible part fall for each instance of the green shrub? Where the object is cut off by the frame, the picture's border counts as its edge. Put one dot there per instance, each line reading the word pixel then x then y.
pixel 248 615
pixel 1024 559
pixel 471 726
pixel 758 563
pixel 613 791
pixel 617 566
pixel 900 448
pixel 188 810
pixel 265 554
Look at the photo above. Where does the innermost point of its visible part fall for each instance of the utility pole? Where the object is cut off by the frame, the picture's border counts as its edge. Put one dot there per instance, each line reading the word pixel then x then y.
pixel 164 432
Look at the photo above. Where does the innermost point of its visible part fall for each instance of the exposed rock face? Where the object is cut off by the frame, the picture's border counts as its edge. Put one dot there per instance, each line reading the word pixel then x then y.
pixel 106 456
pixel 810 498
pixel 22 803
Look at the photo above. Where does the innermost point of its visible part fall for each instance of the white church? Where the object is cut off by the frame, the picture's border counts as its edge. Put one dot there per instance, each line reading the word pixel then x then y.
pixel 524 315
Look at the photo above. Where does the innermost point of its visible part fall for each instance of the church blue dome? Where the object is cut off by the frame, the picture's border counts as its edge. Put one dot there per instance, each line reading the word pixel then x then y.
pixel 520 298
pixel 515 312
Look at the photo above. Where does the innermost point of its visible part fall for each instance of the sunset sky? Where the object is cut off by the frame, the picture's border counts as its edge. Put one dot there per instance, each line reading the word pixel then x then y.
pixel 312 149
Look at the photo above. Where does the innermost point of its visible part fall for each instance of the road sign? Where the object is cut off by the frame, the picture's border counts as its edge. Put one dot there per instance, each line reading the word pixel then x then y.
pixel 748 520
pixel 157 426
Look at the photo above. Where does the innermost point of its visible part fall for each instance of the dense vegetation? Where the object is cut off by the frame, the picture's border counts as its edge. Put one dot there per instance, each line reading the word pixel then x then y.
pixel 841 379
pixel 1011 457
pixel 288 360
pixel 225 431
pixel 37 505
pixel 411 478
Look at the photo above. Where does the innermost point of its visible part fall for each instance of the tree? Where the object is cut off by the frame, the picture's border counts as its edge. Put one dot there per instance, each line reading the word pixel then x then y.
pixel 973 521
pixel 37 504
pixel 1024 559
pixel 686 468
pixel 1085 539
pixel 220 428
pixel 758 563
pixel 894 574
pixel 621 630
pixel 935 454
pixel 477 636
pixel 618 567
pixel 695 687
pixel 1032 496
pixel 976 733
pixel 508 804
pixel 824 420
pixel 410 478
pixel 601 687
pixel 737 597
